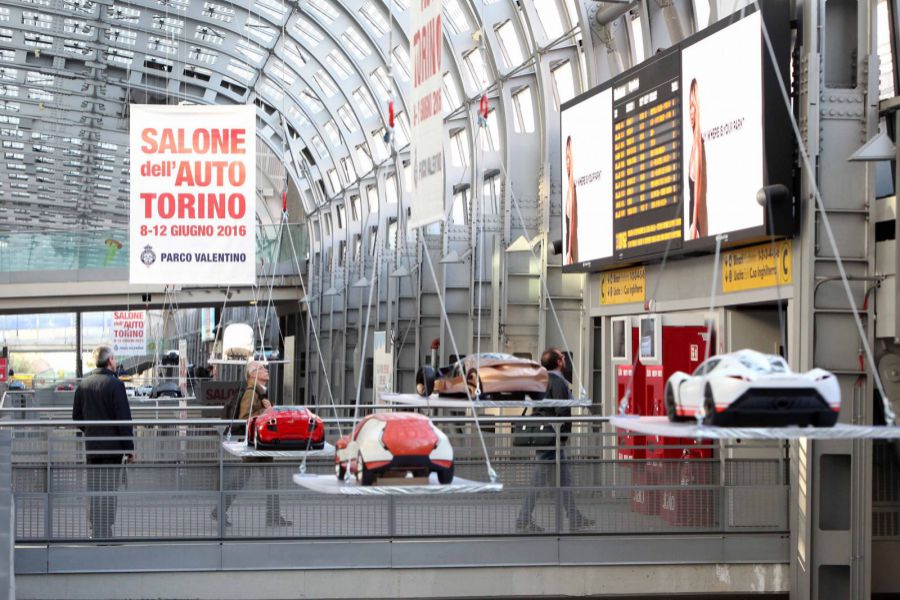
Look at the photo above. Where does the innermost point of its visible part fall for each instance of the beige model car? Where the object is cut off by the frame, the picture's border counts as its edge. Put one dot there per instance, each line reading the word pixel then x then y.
pixel 486 375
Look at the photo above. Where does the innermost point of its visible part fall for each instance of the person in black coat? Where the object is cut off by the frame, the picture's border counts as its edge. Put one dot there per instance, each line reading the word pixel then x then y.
pixel 101 397
pixel 557 389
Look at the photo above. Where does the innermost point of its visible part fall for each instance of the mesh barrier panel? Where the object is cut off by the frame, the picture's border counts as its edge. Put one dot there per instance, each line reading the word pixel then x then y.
pixel 183 480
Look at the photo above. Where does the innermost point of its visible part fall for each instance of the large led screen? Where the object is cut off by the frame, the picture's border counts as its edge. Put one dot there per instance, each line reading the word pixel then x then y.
pixel 668 155
pixel 722 129
pixel 587 172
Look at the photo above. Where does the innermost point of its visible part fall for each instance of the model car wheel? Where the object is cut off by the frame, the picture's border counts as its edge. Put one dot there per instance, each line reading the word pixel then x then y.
pixel 473 382
pixel 445 476
pixel 425 381
pixel 709 405
pixel 340 470
pixel 364 475
pixel 671 408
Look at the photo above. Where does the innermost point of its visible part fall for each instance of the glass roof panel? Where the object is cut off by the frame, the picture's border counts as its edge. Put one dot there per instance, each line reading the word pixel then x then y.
pixel 359 47
pixel 324 10
pixel 363 102
pixel 174 4
pixel 273 8
pixel 121 36
pixel 346 115
pixel 260 30
pixel 339 64
pixel 455 16
pixel 293 53
pixel 326 83
pixel 209 34
pixel 374 17
pixel 125 14
pixel 548 13
pixel 168 24
pixel 308 32
pixel 510 47
pixel 240 69
pixel 250 51
pixel 218 12
pixel 401 62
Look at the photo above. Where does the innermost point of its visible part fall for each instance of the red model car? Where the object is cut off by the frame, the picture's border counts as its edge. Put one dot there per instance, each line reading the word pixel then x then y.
pixel 394 443
pixel 286 428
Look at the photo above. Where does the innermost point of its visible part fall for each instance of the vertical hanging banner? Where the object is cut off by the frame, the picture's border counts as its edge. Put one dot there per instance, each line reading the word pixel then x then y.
pixel 382 366
pixel 427 148
pixel 193 194
pixel 129 333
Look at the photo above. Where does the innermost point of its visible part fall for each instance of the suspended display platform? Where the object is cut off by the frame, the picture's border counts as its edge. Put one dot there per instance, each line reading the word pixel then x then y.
pixel 242 450
pixel 329 484
pixel 243 361
pixel 435 401
pixel 662 426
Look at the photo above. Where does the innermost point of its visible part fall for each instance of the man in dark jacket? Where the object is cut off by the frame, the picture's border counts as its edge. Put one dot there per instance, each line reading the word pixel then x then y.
pixel 101 397
pixel 557 389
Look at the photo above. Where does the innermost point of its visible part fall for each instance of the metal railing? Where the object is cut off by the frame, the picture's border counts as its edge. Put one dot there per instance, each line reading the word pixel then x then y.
pixel 109 248
pixel 616 483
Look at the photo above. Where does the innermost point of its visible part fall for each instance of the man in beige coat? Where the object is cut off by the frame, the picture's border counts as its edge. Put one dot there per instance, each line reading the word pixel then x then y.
pixel 254 401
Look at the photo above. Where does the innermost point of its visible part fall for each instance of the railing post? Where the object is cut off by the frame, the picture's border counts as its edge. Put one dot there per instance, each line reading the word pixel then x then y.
pixel 48 506
pixel 220 511
pixel 559 491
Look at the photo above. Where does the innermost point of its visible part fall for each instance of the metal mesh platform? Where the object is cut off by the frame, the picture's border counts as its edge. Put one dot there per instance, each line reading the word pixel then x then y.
pixel 662 426
pixel 435 401
pixel 329 484
pixel 242 450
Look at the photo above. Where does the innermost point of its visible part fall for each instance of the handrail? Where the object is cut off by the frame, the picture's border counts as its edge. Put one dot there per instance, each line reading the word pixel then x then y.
pixel 51 409
pixel 215 422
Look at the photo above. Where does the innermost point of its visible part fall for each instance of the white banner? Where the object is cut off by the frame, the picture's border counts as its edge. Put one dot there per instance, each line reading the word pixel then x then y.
pixel 207 324
pixel 427 119
pixel 129 333
pixel 193 194
pixel 383 366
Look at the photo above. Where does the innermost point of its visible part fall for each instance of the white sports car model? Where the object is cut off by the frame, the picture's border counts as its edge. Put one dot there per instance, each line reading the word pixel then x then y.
pixel 397 443
pixel 753 389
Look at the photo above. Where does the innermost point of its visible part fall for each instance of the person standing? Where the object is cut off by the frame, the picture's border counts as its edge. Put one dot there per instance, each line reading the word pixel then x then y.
pixel 101 397
pixel 254 401
pixel 697 214
pixel 557 389
pixel 571 212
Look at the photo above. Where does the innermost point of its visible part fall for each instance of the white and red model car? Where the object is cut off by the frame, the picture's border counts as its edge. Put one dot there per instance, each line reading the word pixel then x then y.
pixel 753 389
pixel 394 443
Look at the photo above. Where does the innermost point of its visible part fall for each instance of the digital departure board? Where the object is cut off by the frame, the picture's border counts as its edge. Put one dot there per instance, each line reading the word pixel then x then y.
pixel 647 160
pixel 670 154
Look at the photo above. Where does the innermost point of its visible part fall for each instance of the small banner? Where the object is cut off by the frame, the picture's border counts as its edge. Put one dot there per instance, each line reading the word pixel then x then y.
pixel 129 333
pixel 383 366
pixel 427 147
pixel 207 324
pixel 193 195
pixel 761 266
pixel 623 286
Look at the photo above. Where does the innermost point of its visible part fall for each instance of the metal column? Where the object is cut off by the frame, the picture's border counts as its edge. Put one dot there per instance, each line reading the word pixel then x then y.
pixel 831 488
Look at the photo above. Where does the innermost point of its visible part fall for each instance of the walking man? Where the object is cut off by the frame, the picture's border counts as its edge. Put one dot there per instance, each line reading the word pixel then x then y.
pixel 254 401
pixel 101 397
pixel 557 389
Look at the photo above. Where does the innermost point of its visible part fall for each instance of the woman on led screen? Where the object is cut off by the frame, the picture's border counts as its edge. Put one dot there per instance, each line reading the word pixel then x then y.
pixel 696 171
pixel 571 213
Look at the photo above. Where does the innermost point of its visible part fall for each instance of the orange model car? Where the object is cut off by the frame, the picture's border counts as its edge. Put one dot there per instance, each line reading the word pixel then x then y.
pixel 486 375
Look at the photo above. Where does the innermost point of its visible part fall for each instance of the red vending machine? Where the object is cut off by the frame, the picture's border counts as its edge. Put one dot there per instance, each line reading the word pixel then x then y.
pixel 629 381
pixel 646 500
pixel 686 464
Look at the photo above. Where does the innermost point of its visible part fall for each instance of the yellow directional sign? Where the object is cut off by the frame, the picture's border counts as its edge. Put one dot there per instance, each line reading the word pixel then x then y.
pixel 623 286
pixel 757 267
